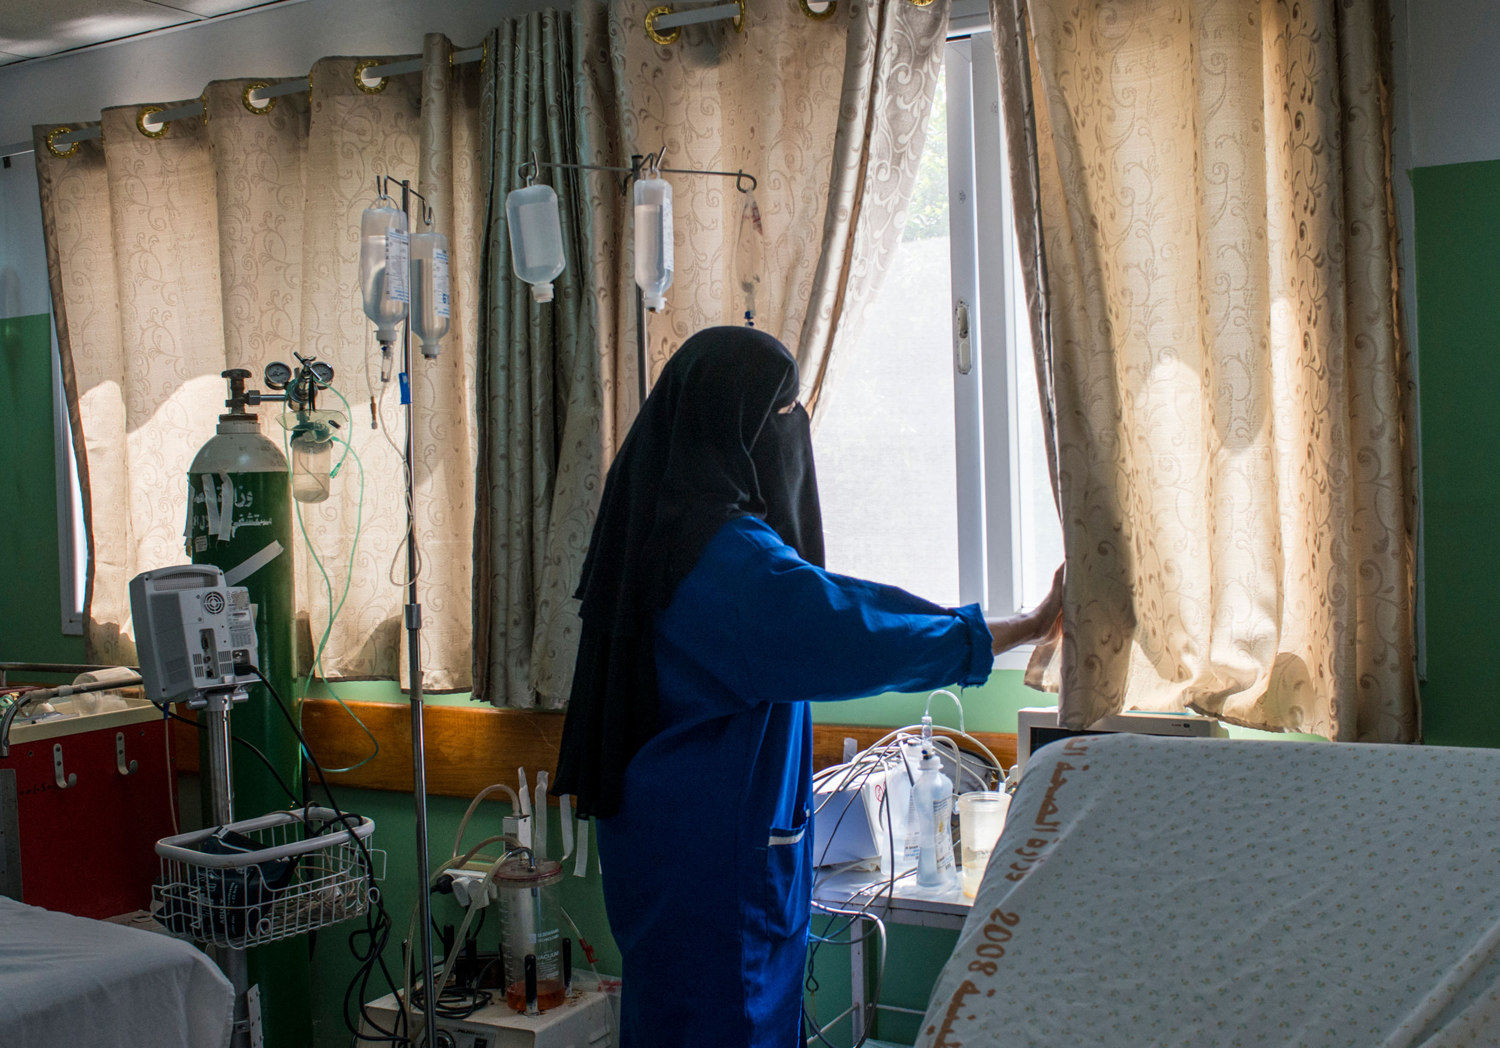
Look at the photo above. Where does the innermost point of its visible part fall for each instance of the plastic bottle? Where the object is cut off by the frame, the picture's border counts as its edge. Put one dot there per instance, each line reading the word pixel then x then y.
pixel 536 247
pixel 932 796
pixel 312 458
pixel 653 241
pixel 384 299
pixel 429 290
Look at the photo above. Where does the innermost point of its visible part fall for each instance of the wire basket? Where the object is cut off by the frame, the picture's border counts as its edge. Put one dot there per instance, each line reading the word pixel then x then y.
pixel 259 880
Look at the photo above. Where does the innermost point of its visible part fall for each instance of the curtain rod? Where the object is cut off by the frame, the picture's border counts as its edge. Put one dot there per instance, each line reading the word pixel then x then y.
pixel 262 94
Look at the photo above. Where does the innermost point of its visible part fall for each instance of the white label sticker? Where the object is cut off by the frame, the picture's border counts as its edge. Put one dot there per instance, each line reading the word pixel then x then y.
pixel 440 283
pixel 397 265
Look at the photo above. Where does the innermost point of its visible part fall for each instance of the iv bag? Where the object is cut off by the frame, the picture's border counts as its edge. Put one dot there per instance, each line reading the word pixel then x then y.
pixel 383 268
pixel 429 290
pixel 653 241
pixel 536 248
pixel 749 258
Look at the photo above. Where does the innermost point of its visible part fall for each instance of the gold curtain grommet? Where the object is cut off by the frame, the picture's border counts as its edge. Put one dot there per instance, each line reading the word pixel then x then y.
pixel 739 19
pixel 921 3
pixel 266 104
pixel 359 77
pixel 61 154
pixel 823 15
pixel 671 36
pixel 140 122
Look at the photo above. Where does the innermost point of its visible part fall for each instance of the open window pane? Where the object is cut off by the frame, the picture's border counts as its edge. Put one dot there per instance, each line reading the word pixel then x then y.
pixel 885 433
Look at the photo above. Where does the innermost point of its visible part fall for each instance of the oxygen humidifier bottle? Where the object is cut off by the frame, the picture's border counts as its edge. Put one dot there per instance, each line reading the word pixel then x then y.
pixel 429 290
pixel 536 247
pixel 932 795
pixel 653 241
pixel 384 300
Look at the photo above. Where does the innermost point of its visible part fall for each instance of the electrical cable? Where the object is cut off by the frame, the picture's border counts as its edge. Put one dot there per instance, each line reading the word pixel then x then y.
pixel 167 712
pixel 166 735
pixel 377 920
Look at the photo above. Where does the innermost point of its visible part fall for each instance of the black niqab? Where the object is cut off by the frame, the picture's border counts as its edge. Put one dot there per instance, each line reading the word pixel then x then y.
pixel 714 441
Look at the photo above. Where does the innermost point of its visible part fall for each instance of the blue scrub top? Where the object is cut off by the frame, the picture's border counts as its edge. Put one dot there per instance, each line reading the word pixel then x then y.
pixel 707 865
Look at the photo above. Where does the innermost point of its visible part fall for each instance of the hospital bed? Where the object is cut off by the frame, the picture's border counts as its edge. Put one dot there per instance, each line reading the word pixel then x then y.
pixel 1152 891
pixel 80 983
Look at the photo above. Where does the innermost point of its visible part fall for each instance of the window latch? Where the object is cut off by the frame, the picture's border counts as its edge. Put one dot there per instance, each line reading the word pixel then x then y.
pixel 963 346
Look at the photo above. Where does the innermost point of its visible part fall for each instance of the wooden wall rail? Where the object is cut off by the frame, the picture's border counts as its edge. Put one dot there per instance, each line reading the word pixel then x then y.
pixel 470 747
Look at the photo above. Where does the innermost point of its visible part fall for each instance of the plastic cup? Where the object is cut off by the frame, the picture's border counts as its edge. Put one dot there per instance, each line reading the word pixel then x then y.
pixel 981 817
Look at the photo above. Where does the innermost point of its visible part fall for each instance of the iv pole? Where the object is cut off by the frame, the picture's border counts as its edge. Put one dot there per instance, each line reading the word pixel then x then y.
pixel 413 620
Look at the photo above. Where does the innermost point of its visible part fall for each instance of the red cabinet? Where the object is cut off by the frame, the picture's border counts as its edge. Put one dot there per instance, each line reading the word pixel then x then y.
pixel 89 848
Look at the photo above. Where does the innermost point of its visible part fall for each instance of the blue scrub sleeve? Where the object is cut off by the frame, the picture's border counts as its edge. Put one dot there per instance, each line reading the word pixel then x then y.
pixel 774 628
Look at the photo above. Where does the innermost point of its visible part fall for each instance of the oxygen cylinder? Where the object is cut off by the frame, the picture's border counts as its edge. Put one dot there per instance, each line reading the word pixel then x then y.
pixel 240 520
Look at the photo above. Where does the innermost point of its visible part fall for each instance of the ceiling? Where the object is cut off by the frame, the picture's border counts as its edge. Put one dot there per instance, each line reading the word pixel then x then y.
pixel 38 28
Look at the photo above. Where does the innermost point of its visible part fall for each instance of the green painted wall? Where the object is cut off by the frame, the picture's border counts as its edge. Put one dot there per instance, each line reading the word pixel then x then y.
pixel 1457 219
pixel 31 613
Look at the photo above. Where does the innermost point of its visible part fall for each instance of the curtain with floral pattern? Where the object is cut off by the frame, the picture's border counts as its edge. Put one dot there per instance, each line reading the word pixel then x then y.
pixel 231 240
pixel 1208 240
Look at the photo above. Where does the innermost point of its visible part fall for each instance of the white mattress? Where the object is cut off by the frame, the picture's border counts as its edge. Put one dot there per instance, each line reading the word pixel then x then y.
pixel 71 982
pixel 1203 892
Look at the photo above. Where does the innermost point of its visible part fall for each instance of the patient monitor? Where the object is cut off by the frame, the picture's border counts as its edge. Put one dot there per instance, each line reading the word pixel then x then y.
pixel 190 630
pixel 1036 726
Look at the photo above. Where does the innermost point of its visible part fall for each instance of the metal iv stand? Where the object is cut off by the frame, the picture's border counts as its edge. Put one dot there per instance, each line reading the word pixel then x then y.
pixel 413 620
pixel 216 706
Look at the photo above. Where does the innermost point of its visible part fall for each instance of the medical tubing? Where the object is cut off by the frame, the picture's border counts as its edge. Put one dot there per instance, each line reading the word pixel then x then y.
pixel 480 901
pixel 377 920
pixel 515 804
pixel 406 487
pixel 927 712
pixel 874 1002
pixel 882 751
pixel 333 611
pixel 443 867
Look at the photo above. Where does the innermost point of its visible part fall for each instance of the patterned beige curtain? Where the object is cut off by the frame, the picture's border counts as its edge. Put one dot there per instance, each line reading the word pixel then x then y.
pixel 232 241
pixel 1211 267
pixel 829 114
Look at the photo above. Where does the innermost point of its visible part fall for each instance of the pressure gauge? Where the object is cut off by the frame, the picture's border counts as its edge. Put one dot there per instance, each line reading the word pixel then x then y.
pixel 278 375
pixel 321 373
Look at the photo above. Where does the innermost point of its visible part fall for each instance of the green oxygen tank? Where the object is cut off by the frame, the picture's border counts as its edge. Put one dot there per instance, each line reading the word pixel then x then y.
pixel 240 520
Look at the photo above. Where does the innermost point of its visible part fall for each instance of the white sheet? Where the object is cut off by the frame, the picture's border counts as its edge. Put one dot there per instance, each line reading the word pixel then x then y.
pixel 70 982
pixel 1200 892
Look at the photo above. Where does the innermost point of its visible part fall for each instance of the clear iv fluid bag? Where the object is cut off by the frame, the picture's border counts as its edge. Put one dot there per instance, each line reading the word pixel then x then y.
pixel 429 290
pixel 653 241
pixel 536 248
pixel 384 288
pixel 749 259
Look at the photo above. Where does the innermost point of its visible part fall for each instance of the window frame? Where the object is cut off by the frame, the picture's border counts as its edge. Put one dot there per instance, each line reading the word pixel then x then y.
pixel 72 547
pixel 987 418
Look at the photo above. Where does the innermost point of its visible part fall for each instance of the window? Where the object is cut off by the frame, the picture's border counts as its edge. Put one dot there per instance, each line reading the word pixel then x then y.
pixel 72 548
pixel 931 458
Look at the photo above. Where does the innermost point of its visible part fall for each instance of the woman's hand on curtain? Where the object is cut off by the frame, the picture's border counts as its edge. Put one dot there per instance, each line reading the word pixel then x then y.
pixel 1028 627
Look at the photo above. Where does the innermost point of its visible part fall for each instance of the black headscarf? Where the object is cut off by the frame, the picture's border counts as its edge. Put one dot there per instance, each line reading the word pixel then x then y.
pixel 712 442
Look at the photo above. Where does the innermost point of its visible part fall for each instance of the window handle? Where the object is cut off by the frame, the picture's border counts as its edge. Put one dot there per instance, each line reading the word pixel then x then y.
pixel 963 347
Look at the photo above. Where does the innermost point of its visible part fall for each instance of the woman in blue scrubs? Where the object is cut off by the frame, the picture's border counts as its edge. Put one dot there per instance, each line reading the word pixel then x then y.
pixel 709 623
